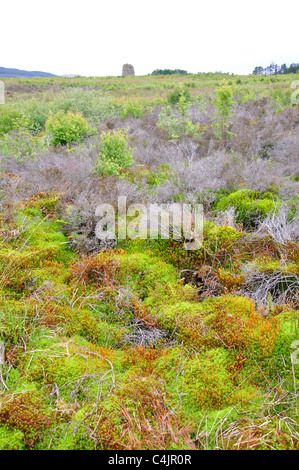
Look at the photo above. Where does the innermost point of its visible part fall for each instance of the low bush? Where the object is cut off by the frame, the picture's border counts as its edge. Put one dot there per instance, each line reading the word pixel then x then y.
pixel 132 108
pixel 176 125
pixel 20 145
pixel 36 113
pixel 64 129
pixel 115 153
pixel 92 104
pixel 176 95
pixel 10 118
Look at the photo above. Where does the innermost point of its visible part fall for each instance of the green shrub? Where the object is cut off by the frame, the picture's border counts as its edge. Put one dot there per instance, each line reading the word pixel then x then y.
pixel 223 104
pixel 179 92
pixel 92 104
pixel 67 128
pixel 10 118
pixel 132 108
pixel 142 174
pixel 176 126
pixel 20 144
pixel 36 113
pixel 169 123
pixel 115 153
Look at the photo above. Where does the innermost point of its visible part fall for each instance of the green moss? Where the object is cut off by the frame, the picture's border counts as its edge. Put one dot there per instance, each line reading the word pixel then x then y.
pixel 67 442
pixel 42 234
pixel 20 325
pixel 11 439
pixel 63 362
pixel 28 413
pixel 289 323
pixel 89 325
pixel 271 265
pixel 13 379
pixel 207 383
pixel 251 206
pixel 39 254
pixel 144 271
pixel 269 350
pixel 42 203
pixel 216 238
pixel 214 321
pixel 74 383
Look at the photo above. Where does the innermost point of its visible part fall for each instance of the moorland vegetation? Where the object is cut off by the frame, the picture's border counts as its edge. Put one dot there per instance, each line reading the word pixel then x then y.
pixel 142 344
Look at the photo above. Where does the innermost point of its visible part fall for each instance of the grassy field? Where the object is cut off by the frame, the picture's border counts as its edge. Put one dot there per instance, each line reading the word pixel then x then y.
pixel 140 343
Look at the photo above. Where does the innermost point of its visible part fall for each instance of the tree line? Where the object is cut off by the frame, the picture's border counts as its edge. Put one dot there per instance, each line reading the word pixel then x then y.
pixel 169 72
pixel 274 69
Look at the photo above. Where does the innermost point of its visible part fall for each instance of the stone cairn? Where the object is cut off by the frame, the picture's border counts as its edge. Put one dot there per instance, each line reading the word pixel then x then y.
pixel 128 69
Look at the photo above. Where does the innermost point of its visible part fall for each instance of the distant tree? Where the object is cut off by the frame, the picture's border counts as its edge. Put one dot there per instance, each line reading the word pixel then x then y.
pixel 181 72
pixel 274 69
pixel 268 70
pixel 293 68
pixel 169 72
pixel 258 71
pixel 283 68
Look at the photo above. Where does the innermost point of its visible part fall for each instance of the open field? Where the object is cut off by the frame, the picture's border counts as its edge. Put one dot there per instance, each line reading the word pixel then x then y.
pixel 140 343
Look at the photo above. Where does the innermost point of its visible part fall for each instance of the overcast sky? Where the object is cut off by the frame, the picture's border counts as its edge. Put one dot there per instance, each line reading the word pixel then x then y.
pixel 97 37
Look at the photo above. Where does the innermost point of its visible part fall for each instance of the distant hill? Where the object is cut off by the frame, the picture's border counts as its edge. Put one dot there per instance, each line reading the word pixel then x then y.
pixel 10 73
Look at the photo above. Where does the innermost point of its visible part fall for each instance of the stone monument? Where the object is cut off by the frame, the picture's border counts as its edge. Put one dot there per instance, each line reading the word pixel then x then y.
pixel 128 69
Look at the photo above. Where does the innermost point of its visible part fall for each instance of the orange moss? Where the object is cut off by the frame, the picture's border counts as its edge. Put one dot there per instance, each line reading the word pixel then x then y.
pixel 229 280
pixel 27 412
pixel 143 357
pixel 43 201
pixel 98 269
